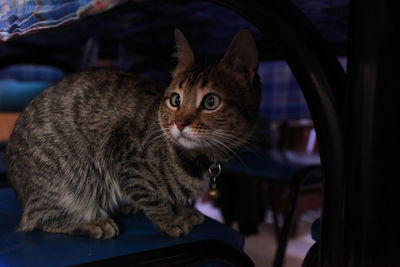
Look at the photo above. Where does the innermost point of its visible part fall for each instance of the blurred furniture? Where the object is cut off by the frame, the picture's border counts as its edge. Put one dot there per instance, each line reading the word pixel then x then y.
pixel 283 155
pixel 312 257
pixel 8 120
pixel 277 167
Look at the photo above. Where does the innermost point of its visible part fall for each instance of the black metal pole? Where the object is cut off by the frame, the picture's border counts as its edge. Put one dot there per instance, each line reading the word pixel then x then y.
pixel 322 81
pixel 372 226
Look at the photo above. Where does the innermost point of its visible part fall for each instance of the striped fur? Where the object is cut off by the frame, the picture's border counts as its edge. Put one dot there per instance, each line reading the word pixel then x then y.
pixel 105 141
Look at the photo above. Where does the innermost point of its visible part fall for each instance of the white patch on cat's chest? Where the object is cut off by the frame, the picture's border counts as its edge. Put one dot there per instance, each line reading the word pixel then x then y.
pixel 114 195
pixel 80 204
pixel 115 198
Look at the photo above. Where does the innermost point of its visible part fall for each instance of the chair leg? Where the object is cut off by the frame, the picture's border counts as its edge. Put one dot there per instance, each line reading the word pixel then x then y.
pixel 287 223
pixel 272 200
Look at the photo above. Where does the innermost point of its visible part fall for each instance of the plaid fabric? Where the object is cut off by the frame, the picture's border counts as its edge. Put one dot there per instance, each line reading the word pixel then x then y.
pixel 18 17
pixel 282 98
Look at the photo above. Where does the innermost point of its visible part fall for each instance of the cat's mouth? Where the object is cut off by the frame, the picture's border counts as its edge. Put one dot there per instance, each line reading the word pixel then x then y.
pixel 185 139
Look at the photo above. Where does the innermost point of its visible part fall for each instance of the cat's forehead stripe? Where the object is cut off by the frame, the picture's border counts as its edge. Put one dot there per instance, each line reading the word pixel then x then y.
pixel 197 77
pixel 180 85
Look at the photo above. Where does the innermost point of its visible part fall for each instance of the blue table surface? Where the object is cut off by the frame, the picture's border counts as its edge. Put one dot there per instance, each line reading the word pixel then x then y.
pixel 137 235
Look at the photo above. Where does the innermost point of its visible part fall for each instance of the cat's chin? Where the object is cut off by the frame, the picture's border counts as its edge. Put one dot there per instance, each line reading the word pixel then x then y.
pixel 192 143
pixel 199 148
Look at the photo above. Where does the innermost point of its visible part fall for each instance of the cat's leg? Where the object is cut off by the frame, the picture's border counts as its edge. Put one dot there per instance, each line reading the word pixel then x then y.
pixel 57 220
pixel 162 214
pixel 128 208
pixel 173 219
pixel 191 214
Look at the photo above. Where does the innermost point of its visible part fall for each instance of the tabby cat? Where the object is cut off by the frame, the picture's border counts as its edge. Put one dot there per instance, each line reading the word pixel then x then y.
pixel 103 141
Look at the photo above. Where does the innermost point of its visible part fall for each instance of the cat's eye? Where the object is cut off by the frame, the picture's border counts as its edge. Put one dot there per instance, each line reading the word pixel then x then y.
pixel 175 100
pixel 210 101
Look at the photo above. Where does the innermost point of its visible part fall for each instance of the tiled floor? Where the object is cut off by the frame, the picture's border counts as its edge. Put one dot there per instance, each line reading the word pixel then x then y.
pixel 261 247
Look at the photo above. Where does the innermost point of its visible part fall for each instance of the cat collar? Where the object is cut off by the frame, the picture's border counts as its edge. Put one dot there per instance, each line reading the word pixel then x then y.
pixel 215 170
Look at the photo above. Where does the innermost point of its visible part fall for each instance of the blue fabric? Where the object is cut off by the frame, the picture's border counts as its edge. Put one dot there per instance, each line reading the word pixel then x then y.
pixel 281 97
pixel 137 235
pixel 15 95
pixel 271 164
pixel 20 17
pixel 31 72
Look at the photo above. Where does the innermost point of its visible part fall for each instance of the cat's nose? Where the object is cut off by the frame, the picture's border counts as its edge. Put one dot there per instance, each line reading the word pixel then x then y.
pixel 181 124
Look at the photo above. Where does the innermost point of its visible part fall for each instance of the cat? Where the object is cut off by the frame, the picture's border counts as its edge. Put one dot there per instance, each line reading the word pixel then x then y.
pixel 103 141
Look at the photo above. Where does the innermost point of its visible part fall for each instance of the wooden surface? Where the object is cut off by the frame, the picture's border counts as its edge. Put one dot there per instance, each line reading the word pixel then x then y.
pixel 7 122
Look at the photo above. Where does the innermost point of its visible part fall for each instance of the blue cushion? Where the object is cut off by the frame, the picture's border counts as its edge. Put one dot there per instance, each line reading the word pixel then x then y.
pixel 16 95
pixel 137 235
pixel 272 164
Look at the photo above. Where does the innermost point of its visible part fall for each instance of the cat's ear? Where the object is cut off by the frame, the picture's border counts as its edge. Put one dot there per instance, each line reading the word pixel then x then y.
pixel 184 52
pixel 241 58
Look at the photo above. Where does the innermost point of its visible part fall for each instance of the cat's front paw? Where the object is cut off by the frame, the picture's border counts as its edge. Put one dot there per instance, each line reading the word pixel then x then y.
pixel 100 228
pixel 176 228
pixel 128 209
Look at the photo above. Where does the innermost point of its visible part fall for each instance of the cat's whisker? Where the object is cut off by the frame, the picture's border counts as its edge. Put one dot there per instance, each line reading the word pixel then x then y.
pixel 215 149
pixel 220 144
pixel 247 141
pixel 161 130
pixel 158 139
pixel 238 158
pixel 160 133
pixel 253 148
pixel 232 140
pixel 225 137
pixel 218 150
pixel 244 140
